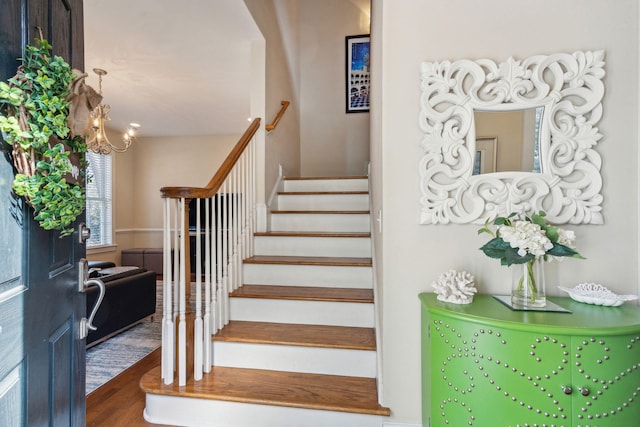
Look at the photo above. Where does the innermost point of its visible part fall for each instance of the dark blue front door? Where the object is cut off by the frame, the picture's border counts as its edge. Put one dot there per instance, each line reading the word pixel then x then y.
pixel 41 351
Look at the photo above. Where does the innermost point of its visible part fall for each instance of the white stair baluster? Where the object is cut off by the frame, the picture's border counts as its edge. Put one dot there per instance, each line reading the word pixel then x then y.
pixel 168 329
pixel 197 323
pixel 206 333
pixel 182 325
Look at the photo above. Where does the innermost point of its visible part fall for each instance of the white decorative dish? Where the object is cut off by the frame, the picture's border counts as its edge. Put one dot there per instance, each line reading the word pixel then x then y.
pixel 594 293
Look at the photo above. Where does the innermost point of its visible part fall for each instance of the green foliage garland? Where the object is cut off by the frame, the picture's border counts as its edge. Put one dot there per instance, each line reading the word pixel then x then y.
pixel 33 121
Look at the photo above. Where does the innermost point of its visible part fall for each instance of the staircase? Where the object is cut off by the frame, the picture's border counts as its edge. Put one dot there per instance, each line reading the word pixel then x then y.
pixel 300 345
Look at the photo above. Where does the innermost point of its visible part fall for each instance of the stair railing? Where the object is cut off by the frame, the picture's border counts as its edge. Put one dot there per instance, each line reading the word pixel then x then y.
pixel 221 227
pixel 272 126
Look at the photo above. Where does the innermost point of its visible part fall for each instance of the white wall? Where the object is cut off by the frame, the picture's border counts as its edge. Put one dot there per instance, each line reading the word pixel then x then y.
pixel 412 31
pixel 331 141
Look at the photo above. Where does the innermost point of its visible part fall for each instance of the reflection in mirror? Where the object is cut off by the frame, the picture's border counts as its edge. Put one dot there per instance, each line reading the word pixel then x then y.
pixel 507 141
pixel 486 159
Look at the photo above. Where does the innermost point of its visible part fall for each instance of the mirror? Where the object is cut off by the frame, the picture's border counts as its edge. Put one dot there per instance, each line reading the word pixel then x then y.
pixel 518 134
pixel 558 97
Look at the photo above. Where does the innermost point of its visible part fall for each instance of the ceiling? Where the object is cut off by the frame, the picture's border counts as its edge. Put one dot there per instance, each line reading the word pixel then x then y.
pixel 175 67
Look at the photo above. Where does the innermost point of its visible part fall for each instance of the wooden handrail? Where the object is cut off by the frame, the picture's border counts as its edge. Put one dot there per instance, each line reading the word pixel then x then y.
pixel 223 171
pixel 273 125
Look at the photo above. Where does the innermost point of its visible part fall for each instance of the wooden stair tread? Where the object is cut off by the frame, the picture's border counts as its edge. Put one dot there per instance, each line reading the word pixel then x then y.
pixel 310 260
pixel 257 386
pixel 308 293
pixel 343 337
pixel 321 212
pixel 313 234
pixel 312 178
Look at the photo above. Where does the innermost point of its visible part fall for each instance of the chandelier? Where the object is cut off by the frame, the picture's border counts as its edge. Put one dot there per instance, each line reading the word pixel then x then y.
pixel 98 141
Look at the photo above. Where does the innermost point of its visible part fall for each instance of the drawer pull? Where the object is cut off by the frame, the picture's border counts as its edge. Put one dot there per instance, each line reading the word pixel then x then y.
pixel 583 391
pixel 566 389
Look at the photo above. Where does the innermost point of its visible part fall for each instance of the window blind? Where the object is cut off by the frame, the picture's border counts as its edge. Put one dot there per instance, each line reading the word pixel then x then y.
pixel 99 199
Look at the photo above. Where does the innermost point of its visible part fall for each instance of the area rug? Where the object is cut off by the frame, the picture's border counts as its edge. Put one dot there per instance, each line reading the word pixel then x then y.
pixel 110 358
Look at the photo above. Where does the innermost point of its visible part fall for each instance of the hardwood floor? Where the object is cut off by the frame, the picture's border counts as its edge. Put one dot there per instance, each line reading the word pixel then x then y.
pixel 121 402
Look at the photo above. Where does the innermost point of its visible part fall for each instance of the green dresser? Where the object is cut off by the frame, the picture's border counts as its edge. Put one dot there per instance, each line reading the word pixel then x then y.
pixel 485 365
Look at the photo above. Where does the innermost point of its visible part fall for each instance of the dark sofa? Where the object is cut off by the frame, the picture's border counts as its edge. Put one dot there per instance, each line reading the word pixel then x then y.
pixel 130 298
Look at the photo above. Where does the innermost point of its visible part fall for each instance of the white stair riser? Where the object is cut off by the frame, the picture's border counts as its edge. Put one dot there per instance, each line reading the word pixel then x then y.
pixel 181 411
pixel 326 185
pixel 313 246
pixel 320 222
pixel 323 202
pixel 315 360
pixel 302 312
pixel 308 275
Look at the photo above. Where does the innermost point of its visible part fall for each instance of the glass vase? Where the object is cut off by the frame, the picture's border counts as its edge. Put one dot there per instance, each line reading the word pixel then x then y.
pixel 529 288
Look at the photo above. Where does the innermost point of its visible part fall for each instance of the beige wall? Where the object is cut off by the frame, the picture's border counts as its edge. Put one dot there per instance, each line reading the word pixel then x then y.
pixel 414 255
pixel 282 145
pixel 332 142
pixel 170 161
pixel 305 64
pixel 150 164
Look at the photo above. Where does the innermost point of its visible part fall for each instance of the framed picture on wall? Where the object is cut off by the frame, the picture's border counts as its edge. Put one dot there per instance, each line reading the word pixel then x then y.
pixel 486 160
pixel 357 73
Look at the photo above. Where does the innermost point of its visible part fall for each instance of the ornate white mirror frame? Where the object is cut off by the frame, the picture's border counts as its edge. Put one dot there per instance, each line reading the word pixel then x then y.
pixel 568 86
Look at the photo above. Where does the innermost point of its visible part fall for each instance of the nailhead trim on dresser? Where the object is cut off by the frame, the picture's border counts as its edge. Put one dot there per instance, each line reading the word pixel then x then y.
pixel 527 378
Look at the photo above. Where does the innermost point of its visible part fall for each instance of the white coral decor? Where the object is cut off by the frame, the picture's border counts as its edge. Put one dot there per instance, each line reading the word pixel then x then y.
pixel 455 286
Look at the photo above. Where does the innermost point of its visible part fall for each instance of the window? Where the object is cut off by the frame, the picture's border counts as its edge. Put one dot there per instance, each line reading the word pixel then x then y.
pixel 99 201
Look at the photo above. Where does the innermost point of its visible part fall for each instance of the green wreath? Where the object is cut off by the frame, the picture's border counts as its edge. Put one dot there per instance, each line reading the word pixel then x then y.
pixel 33 119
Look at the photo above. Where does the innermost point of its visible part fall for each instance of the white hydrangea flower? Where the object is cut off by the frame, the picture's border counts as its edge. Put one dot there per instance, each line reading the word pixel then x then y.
pixel 566 237
pixel 528 237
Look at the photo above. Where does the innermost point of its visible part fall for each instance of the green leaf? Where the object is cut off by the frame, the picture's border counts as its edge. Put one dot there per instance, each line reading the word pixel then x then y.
pixel 498 248
pixel 501 221
pixel 495 248
pixel 539 219
pixel 552 233
pixel 564 251
pixel 512 257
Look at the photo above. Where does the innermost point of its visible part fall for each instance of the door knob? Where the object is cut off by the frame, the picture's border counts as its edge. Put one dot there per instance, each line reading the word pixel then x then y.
pixel 566 389
pixel 84 232
pixel 583 391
